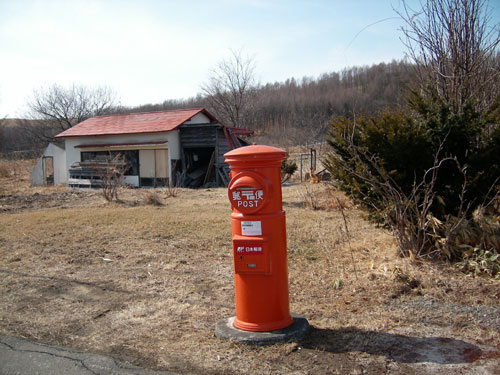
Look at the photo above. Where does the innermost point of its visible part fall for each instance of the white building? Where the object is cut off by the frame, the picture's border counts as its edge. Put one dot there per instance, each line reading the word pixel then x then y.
pixel 51 167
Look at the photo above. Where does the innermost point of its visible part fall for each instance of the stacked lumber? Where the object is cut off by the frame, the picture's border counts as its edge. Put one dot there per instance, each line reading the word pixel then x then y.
pixel 92 173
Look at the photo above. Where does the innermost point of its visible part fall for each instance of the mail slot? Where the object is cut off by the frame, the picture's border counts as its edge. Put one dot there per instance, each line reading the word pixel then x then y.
pixel 258 239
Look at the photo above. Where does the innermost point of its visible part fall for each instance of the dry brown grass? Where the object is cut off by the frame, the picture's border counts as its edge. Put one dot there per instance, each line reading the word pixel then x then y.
pixel 323 196
pixel 5 170
pixel 15 168
pixel 147 284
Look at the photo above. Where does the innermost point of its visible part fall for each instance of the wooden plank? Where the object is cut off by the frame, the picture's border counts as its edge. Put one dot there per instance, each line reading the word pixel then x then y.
pixel 161 163
pixel 223 175
pixel 209 169
pixel 147 163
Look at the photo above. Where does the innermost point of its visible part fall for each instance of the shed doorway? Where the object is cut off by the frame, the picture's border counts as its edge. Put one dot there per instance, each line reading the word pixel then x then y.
pixel 199 167
pixel 48 170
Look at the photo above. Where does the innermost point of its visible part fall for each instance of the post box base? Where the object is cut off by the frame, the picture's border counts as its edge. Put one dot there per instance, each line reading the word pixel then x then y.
pixel 274 326
pixel 225 329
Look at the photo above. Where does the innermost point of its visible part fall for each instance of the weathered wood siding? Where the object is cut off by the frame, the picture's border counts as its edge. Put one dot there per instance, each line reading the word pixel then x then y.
pixel 222 146
pixel 198 135
pixel 194 136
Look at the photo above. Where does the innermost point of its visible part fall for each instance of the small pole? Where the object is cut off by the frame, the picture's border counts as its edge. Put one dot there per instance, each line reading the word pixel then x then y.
pixel 301 167
pixel 312 161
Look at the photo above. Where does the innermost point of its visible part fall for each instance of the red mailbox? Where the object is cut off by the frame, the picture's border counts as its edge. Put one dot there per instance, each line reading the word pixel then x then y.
pixel 259 239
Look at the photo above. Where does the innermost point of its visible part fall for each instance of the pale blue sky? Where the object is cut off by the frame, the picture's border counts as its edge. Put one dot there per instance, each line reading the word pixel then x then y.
pixel 149 51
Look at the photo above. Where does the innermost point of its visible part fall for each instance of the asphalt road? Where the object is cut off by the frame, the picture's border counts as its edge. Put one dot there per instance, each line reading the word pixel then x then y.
pixel 22 357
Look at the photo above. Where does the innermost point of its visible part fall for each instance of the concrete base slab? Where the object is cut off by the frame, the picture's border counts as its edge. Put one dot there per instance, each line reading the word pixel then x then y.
pixel 224 329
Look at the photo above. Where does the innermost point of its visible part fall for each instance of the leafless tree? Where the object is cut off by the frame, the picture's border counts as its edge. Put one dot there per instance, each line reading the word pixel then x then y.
pixel 453 44
pixel 230 89
pixel 58 108
pixel 297 111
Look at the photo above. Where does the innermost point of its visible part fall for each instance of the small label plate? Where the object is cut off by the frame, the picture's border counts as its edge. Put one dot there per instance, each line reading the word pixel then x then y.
pixel 251 228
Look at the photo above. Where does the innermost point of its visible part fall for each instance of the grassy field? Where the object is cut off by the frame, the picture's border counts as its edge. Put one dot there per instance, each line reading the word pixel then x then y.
pixel 146 284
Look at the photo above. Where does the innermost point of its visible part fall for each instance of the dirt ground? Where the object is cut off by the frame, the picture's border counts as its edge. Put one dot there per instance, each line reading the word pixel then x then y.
pixel 147 284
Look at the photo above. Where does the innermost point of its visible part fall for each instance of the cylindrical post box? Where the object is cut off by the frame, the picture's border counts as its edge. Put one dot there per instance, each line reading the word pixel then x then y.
pixel 258 238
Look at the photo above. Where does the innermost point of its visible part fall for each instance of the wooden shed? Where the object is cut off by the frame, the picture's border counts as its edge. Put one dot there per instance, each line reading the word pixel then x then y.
pixel 181 147
pixel 202 150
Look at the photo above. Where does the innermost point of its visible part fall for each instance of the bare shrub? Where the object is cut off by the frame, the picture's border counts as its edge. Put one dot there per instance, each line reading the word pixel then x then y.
pixel 288 168
pixel 151 198
pixel 323 197
pixel 111 175
pixel 476 240
pixel 310 197
pixel 171 191
pixel 337 200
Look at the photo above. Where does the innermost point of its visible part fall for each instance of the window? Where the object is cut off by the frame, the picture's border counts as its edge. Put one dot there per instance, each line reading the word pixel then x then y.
pixel 131 156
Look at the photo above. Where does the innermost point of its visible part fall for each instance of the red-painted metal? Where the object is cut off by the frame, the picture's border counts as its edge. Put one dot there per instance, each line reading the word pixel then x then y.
pixel 259 239
pixel 132 123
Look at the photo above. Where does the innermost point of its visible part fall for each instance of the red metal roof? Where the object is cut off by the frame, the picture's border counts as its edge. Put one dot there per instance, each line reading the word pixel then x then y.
pixel 240 131
pixel 148 122
pixel 96 145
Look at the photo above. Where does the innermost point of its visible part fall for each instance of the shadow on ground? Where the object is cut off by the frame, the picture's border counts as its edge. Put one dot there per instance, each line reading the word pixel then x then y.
pixel 293 204
pixel 399 348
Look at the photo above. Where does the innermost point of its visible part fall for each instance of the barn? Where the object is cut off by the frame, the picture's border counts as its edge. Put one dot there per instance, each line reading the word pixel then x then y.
pixel 183 147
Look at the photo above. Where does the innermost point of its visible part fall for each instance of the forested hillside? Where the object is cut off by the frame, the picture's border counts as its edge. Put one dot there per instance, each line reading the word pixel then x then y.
pixel 297 111
pixel 282 113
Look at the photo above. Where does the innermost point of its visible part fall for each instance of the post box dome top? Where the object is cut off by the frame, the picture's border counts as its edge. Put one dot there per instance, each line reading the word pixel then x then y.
pixel 255 152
